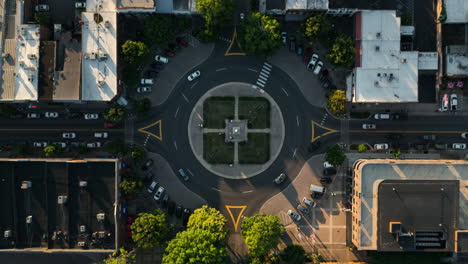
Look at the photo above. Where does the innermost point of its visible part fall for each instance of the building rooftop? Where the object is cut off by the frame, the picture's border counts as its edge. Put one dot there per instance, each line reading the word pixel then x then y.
pixel 101 5
pixel 46 70
pixel 135 4
pixel 457 11
pixel 370 173
pixel 7 89
pixel 456 60
pixel 27 63
pixel 68 76
pixel 59 197
pixel 99 49
pixel 306 4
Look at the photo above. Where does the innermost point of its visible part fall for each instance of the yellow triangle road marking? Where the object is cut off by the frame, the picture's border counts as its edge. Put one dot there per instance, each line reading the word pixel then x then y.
pixel 234 40
pixel 328 131
pixel 157 134
pixel 236 221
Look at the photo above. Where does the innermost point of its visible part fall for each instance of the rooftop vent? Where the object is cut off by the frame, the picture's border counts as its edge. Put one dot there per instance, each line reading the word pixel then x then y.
pixel 378 74
pixel 101 83
pixel 81 243
pixel 100 216
pixel 7 233
pixel 82 228
pixel 31 56
pixel 29 219
pixel 102 56
pixel 83 183
pixel 376 83
pixel 107 24
pixel 378 35
pixel 377 48
pixel 403 60
pixel 26 184
pixel 62 199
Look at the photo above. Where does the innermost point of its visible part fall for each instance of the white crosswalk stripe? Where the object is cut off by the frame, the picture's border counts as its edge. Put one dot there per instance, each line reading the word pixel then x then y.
pixel 262 77
pixel 262 81
pixel 266 64
pixel 259 84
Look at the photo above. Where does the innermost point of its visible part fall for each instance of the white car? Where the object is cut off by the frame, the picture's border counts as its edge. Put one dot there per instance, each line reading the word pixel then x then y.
pixel 162 59
pixel 145 89
pixel 40 144
pixel 81 5
pixel 308 202
pixel 318 68
pixel 193 76
pixel 382 116
pixel 100 135
pixel 464 135
pixel 453 102
pixel 368 126
pixel 61 144
pixel 42 8
pixel 51 114
pixel 33 115
pixel 91 116
pixel 294 215
pixel 152 186
pixel 381 146
pixel 313 60
pixel 284 37
pixel 459 146
pixel 157 196
pixel 146 81
pixel 242 16
pixel 69 135
pixel 94 145
pixel 327 165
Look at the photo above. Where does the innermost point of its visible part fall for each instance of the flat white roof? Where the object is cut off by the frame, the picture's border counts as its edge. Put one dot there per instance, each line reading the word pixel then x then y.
pixel 456 61
pixel 306 4
pixel 135 4
pixel 428 61
pixel 101 5
pixel 457 11
pixel 99 62
pixel 27 62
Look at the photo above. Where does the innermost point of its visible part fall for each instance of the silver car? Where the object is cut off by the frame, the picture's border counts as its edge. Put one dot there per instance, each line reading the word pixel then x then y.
pixel 193 76
pixel 294 215
pixel 302 209
pixel 157 196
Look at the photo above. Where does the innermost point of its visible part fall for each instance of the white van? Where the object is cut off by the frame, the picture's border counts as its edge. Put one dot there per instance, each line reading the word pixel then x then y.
pixel 318 68
pixel 146 81
pixel 382 116
pixel 317 191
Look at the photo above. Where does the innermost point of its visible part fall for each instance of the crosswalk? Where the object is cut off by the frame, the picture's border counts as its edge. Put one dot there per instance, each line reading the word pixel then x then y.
pixel 264 74
pixel 225 39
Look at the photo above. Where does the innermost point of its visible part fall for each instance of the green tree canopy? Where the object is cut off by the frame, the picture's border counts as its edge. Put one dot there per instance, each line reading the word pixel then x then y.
pixel 7 109
pixel 116 147
pixel 334 155
pixel 149 229
pixel 217 14
pixel 316 28
pixel 142 106
pixel 195 246
pixel 130 186
pixel 342 53
pixel 294 254
pixel 337 102
pixel 362 148
pixel 261 233
pixel 115 114
pixel 134 51
pixel 159 29
pixel 121 257
pixel 260 34
pixel 52 150
pixel 210 219
pixel 182 22
pixel 138 154
pixel 41 18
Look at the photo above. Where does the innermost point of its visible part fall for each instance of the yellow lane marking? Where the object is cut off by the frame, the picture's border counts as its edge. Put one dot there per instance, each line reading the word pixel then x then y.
pixel 157 123
pixel 236 221
pixel 58 129
pixel 329 131
pixel 406 131
pixel 234 39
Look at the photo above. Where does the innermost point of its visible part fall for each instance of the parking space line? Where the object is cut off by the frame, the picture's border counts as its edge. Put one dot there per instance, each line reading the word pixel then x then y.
pixel 252 70
pixel 285 91
pixel 176 112
pixel 190 172
pixel 185 97
pixel 193 85
pixel 221 69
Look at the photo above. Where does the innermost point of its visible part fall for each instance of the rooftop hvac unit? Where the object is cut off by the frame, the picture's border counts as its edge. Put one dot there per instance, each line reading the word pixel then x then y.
pixel 30 77
pixel 81 244
pixel 101 234
pixel 377 48
pixel 31 56
pixel 21 63
pixel 82 228
pixel 26 184
pixel 107 24
pixel 102 56
pixel 83 183
pixel 403 60
pixel 7 233
pixel 62 199
pixel 29 219
pixel 376 83
pixel 378 34
pixel 91 56
pixel 101 83
pixel 100 216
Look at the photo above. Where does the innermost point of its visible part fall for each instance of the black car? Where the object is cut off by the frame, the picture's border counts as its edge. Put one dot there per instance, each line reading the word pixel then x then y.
pixel 185 216
pixel 393 136
pixel 170 208
pixel 326 84
pixel 165 200
pixel 149 177
pixel 146 165
pixel 329 171
pixel 323 74
pixel 151 74
pixel 325 180
pixel 178 211
pixel 157 66
pixel 314 146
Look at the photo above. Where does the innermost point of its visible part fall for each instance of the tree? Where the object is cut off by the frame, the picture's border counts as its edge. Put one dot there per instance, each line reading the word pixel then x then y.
pixel 334 155
pixel 195 246
pixel 294 254
pixel 134 51
pixel 260 34
pixel 52 150
pixel 138 154
pixel 316 28
pixel 121 257
pixel 7 109
pixel 209 219
pixel 397 154
pixel 217 14
pixel 342 53
pixel 130 186
pixel 159 29
pixel 41 18
pixel 116 147
pixel 149 229
pixel 142 106
pixel 337 102
pixel 182 22
pixel 115 114
pixel 362 148
pixel 261 234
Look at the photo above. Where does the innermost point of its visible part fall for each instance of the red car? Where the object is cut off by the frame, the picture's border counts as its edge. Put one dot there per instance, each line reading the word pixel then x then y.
pixel 128 230
pixel 182 42
pixel 108 125
pixel 307 54
pixel 168 53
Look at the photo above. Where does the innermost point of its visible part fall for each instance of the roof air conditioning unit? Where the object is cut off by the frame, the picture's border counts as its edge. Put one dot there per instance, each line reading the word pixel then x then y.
pixel 82 228
pixel 107 24
pixel 62 199
pixel 100 216
pixel 376 83
pixel 378 34
pixel 378 74
pixel 83 183
pixel 31 56
pixel 7 233
pixel 101 83
pixel 21 64
pixel 403 60
pixel 377 48
pixel 102 56
pixel 101 234
pixel 30 77
pixel 26 184
pixel 29 219
pixel 81 244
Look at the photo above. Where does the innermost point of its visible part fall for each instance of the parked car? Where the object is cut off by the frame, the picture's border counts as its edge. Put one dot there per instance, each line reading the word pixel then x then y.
pixel 148 163
pixel 302 209
pixel 400 116
pixel 382 116
pixel 323 75
pixel 181 41
pixel 91 116
pixel 145 89
pixel 69 135
pixel 109 125
pixel 152 186
pixel 318 67
pixel 441 146
pixel 185 216
pixel 159 193
pixel 280 179
pixel 307 55
pixel 292 43
pixel 179 210
pixel 193 76
pixel 299 50
pixel 283 37
pixel 368 126
pixel 60 144
pixel 75 115
pixel 162 59
pixel 453 102
pixel 171 208
pixel 146 81
pixel 101 135
pixel 80 5
pixel 312 62
pixel 94 145
pixel 429 137
pixel 325 180
pixel 42 8
pixel 381 146
pixel 183 175
pixel 51 114
pixel 294 215
pixel 308 202
pixel 459 146
pixel 329 171
pixel 242 16
pixel 151 74
pixel 464 135
pixel 327 165
pixel 157 65
pixel 40 144
pixel 393 136
pixel 33 115
pixel 444 103
pixel 149 176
